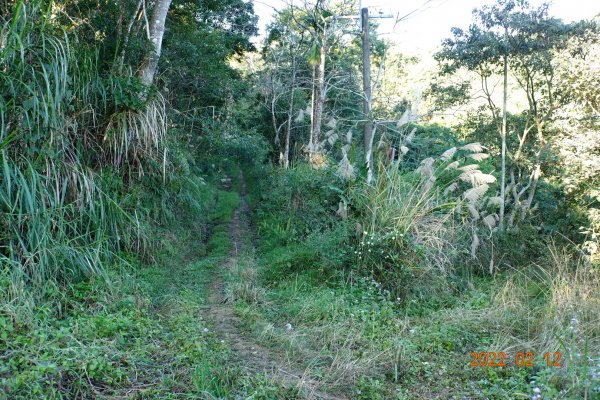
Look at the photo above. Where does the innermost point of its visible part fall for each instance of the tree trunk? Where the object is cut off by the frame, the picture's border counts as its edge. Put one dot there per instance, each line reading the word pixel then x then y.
pixel 127 35
pixel 312 111
pixel 157 31
pixel 288 131
pixel 274 117
pixel 368 128
pixel 528 203
pixel 319 101
pixel 503 156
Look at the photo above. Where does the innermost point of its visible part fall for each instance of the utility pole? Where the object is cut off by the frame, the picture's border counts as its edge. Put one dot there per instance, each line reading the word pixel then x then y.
pixel 363 19
pixel 366 69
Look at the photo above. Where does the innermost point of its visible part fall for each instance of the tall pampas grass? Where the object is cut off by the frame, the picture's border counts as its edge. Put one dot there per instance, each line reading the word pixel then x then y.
pixel 57 224
pixel 410 205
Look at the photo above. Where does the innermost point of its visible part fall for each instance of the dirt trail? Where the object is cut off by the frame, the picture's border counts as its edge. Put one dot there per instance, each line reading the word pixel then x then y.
pixel 251 355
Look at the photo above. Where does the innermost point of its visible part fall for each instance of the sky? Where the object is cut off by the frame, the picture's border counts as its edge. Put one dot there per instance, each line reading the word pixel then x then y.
pixel 423 31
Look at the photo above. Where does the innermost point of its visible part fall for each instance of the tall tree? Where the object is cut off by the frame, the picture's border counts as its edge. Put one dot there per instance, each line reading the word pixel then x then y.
pixel 512 36
pixel 319 21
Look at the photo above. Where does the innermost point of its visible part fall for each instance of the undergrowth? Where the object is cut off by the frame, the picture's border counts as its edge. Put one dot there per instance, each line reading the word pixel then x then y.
pixel 140 336
pixel 305 292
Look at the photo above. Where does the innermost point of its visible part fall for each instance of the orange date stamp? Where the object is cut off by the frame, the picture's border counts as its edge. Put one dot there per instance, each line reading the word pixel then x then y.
pixel 520 359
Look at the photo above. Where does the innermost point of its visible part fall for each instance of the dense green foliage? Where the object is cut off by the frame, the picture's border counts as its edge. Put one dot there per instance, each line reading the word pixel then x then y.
pixel 239 170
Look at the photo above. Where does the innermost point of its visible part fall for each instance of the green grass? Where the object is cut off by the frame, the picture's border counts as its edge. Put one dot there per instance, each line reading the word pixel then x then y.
pixel 358 340
pixel 357 337
pixel 141 337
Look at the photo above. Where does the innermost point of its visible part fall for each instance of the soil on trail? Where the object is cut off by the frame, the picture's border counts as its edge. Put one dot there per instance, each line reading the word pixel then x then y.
pixel 249 354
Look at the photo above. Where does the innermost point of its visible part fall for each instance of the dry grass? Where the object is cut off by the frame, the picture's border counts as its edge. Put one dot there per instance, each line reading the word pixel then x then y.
pixel 134 135
pixel 554 306
pixel 243 280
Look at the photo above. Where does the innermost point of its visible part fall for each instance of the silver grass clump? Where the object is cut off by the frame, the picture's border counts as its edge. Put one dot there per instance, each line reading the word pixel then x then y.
pixel 474 147
pixel 474 245
pixel 452 165
pixel 345 169
pixel 470 167
pixel 332 139
pixel 381 144
pixel 428 161
pixel 479 156
pixel 473 211
pixel 342 210
pixel 404 119
pixel 475 194
pixel 429 184
pixel 426 167
pixel 466 176
pixel 481 179
pixel 425 170
pixel 477 178
pixel 448 154
pixel 490 221
pixel 495 201
pixel 451 188
pixel 409 138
